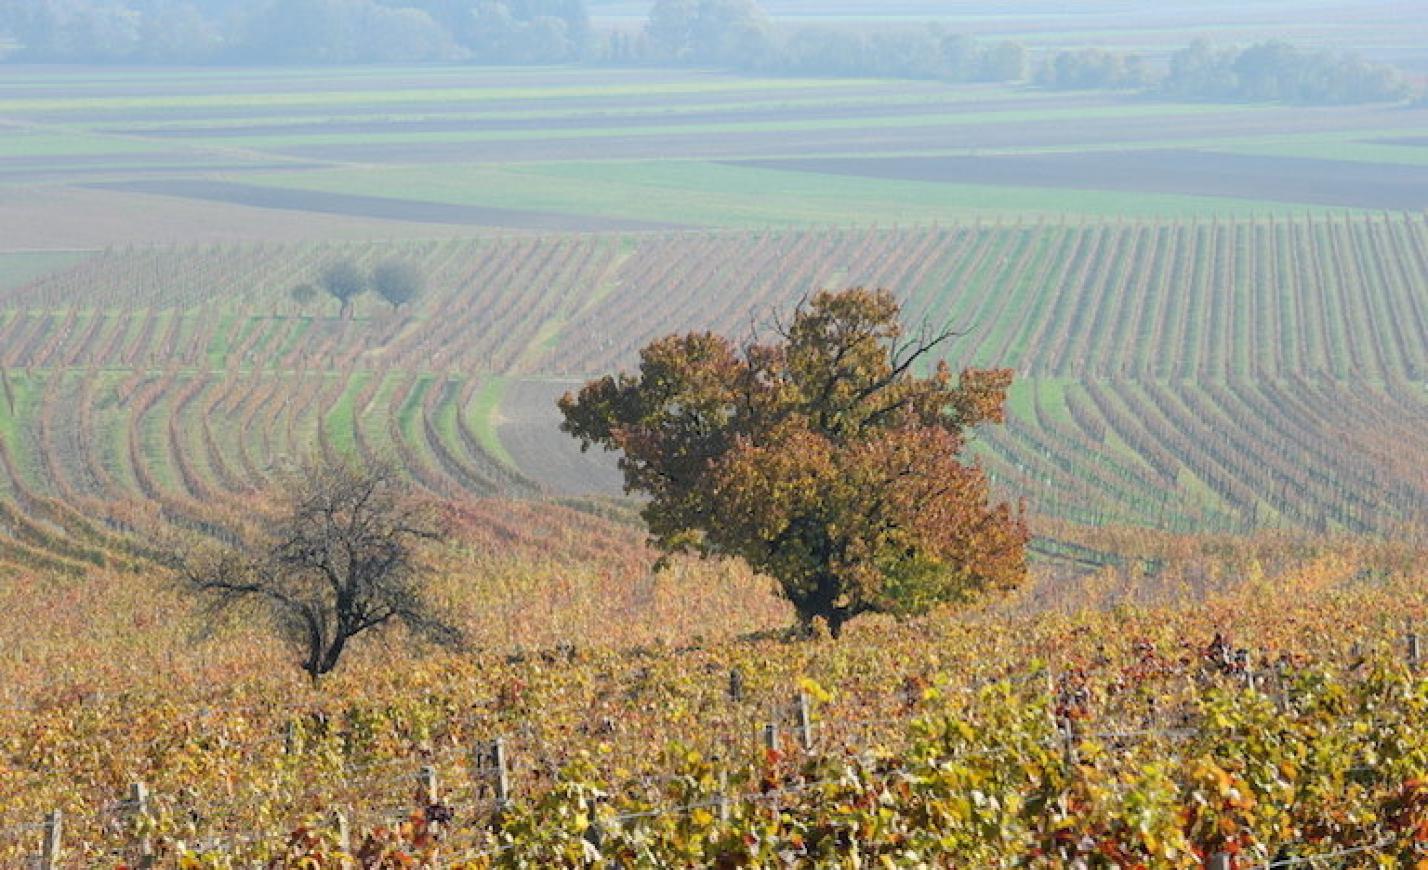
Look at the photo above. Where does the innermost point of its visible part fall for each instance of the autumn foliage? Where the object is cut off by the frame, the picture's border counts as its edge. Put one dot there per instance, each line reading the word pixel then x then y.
pixel 823 458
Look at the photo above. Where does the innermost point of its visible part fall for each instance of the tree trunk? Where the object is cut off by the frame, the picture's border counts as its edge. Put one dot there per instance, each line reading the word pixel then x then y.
pixel 819 604
pixel 313 662
pixel 334 652
pixel 313 667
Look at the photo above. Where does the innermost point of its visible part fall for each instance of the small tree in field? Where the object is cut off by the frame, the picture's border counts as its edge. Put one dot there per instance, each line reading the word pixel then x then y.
pixel 339 559
pixel 398 282
pixel 303 294
pixel 344 280
pixel 822 459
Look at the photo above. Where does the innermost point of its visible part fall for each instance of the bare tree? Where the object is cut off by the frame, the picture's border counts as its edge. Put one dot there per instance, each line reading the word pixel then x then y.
pixel 340 558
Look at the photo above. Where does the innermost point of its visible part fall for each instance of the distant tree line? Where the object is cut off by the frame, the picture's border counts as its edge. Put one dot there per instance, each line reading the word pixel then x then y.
pixel 1272 71
pixel 729 34
pixel 294 31
pixel 733 34
pixel 1278 71
pixel 737 34
pixel 1095 68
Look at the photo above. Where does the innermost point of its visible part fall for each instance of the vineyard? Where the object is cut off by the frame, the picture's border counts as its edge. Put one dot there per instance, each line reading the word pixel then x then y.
pixel 1218 431
pixel 1185 375
pixel 1211 722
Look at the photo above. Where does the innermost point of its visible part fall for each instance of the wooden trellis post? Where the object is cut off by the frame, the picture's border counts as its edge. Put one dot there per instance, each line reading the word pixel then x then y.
pixel 503 773
pixel 1060 726
pixel 804 711
pixel 1415 650
pixel 771 736
pixel 492 767
pixel 344 831
pixel 1219 861
pixel 139 813
pixel 1068 744
pixel 736 685
pixel 593 833
pixel 724 796
pixel 54 834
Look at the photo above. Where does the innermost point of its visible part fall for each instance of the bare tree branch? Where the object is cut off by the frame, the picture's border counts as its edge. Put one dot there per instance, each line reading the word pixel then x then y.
pixel 341 559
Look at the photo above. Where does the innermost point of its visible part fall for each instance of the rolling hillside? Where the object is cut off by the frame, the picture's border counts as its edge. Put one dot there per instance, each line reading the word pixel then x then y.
pixel 1185 374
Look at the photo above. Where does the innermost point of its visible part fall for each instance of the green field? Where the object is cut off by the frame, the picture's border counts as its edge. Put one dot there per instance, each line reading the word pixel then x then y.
pixel 701 193
pixel 586 149
pixel 17 269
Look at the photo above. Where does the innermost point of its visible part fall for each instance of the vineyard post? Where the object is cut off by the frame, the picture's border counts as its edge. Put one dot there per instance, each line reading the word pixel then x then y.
pixel 803 710
pixel 500 773
pixel 1068 745
pixel 54 831
pixel 736 685
pixel 771 737
pixel 429 786
pixel 594 835
pixel 724 796
pixel 1415 650
pixel 1219 861
pixel 290 739
pixel 139 813
pixel 1060 725
pixel 344 831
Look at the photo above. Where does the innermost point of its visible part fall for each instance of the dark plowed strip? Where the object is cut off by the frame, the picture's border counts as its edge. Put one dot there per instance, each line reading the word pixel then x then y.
pixel 375 206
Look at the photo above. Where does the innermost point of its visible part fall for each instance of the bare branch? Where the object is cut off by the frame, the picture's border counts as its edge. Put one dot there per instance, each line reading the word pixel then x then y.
pixel 342 560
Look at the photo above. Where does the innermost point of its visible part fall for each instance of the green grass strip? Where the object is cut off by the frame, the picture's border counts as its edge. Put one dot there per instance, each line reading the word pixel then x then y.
pixel 719 195
pixel 484 414
pixel 390 96
pixel 934 119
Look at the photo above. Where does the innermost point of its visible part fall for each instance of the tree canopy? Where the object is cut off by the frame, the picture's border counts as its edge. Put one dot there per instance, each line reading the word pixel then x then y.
pixel 1090 68
pixel 1272 71
pixel 397 281
pixel 344 280
pixel 822 458
pixel 295 31
pixel 717 32
pixel 1278 71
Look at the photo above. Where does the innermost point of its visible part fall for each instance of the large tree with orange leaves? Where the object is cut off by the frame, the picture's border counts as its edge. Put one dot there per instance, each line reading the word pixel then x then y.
pixel 824 458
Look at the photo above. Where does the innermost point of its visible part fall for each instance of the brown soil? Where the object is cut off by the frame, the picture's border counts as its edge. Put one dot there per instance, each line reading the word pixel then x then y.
pixel 530 432
pixel 71 218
